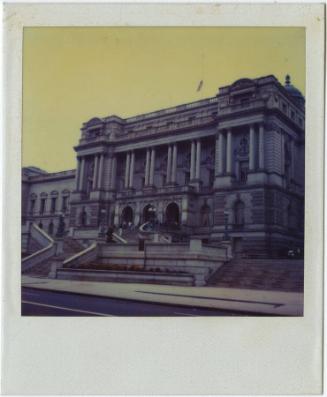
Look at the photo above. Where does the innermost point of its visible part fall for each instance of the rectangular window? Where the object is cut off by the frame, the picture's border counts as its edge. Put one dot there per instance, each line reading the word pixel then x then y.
pixel 187 178
pixel 64 203
pixel 164 179
pixel 42 207
pixel 211 177
pixel 32 207
pixel 284 107
pixel 53 204
pixel 244 169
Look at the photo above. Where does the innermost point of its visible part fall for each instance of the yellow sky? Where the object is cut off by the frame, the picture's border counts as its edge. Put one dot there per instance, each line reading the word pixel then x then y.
pixel 73 74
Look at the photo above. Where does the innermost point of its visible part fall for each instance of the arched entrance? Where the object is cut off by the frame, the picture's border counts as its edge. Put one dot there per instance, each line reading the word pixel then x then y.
pixel 172 214
pixel 149 213
pixel 127 215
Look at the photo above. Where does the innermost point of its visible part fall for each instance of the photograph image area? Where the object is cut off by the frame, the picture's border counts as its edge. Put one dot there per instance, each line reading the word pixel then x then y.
pixel 163 171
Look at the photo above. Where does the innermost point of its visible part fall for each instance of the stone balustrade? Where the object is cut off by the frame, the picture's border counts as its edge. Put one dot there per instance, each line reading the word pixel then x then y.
pixel 45 241
pixel 83 257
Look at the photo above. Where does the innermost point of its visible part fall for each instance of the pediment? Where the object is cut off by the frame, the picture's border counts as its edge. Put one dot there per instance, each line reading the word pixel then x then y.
pixel 242 83
pixel 94 122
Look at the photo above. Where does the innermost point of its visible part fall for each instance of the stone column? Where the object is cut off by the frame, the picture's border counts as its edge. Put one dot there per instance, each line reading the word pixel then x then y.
pixel 109 170
pixel 192 173
pixel 282 143
pixel 127 169
pixel 174 164
pixel 168 178
pixel 252 148
pixel 78 173
pixel 100 171
pixel 113 173
pixel 229 152
pixel 293 158
pixel 95 173
pixel 221 167
pixel 131 170
pixel 261 147
pixel 217 156
pixel 152 166
pixel 147 167
pixel 198 159
pixel 81 179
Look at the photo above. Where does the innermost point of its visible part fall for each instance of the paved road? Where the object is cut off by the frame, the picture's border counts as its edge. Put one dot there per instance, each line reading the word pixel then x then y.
pixel 48 303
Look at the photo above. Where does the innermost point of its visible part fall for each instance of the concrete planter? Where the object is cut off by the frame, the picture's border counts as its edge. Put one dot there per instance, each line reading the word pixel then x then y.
pixel 128 277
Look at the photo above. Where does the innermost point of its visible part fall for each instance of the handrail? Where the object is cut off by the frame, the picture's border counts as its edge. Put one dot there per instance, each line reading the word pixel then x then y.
pixel 81 253
pixel 119 238
pixel 50 239
pixel 42 254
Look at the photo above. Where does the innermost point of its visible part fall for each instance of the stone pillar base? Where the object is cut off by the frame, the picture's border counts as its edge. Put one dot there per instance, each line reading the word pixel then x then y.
pixel 223 181
pixel 195 183
pixel 59 246
pixel 259 177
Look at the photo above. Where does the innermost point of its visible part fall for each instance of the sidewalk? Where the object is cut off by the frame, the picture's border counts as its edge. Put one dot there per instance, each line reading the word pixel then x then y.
pixel 267 302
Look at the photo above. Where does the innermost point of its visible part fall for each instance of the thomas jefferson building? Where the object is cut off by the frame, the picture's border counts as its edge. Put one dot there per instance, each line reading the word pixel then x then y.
pixel 231 163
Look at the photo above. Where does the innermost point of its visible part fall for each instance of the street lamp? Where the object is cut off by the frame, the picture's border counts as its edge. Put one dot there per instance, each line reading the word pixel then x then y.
pixel 226 235
pixel 61 226
pixel 153 211
pixel 102 222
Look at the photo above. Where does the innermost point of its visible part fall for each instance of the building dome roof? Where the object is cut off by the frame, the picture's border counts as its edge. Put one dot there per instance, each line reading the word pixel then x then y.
pixel 293 91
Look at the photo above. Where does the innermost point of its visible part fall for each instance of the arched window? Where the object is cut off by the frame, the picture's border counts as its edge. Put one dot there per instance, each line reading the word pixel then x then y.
pixel 239 213
pixel 172 214
pixel 127 216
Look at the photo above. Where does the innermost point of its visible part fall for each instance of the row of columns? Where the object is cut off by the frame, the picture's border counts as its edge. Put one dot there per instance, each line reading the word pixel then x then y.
pixel 195 160
pixel 223 160
pixel 97 177
pixel 171 163
pixel 224 150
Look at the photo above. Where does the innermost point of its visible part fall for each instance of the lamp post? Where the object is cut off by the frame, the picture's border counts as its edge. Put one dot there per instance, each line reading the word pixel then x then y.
pixel 226 235
pixel 153 216
pixel 102 222
pixel 61 226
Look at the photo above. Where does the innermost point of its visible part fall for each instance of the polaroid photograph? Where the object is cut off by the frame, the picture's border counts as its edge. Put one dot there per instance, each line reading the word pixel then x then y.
pixel 164 173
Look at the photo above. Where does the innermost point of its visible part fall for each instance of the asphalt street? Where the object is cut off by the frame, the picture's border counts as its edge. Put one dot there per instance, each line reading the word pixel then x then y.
pixel 36 302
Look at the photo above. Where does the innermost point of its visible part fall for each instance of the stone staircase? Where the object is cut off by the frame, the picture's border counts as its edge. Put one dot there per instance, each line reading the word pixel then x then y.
pixel 70 247
pixel 261 274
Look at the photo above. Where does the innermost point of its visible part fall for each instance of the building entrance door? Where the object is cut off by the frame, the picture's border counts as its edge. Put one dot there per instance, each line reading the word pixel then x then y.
pixel 172 214
pixel 127 215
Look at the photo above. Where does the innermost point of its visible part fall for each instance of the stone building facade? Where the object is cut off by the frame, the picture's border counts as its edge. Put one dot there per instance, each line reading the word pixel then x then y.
pixel 231 163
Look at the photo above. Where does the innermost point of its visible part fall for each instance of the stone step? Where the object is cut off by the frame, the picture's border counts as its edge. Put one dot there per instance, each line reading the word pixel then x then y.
pixel 266 274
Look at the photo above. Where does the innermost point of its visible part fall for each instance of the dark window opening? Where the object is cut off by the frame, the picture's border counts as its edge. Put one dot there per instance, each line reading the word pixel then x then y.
pixel 186 178
pixel 32 206
pixel 53 204
pixel 42 208
pixel 64 204
pixel 244 170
